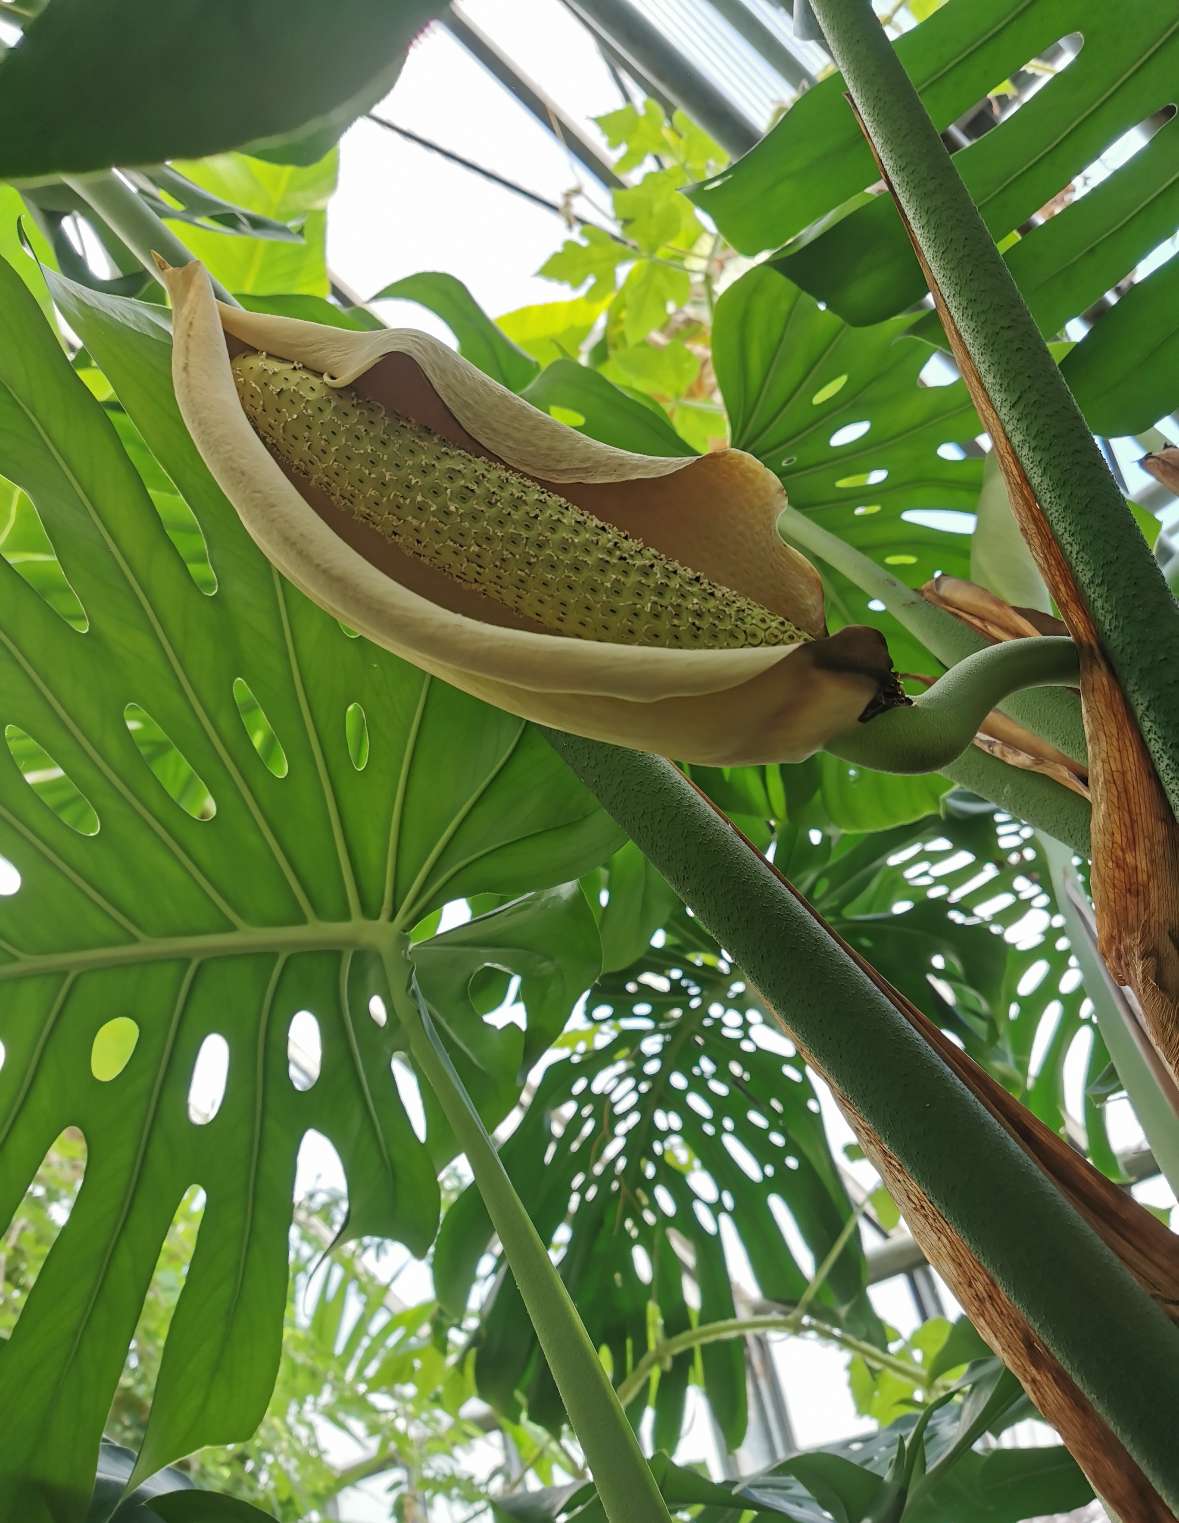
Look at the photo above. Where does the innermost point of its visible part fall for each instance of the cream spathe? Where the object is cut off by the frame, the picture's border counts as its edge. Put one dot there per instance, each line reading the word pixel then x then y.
pixel 712 516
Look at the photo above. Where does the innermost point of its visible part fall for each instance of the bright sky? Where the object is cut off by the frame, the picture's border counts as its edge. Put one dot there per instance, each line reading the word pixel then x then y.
pixel 401 209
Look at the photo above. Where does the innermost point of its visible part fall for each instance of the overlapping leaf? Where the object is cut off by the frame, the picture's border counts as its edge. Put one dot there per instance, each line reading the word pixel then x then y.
pixel 958 912
pixel 922 1467
pixel 202 80
pixel 682 1110
pixel 840 415
pixel 849 249
pixel 276 896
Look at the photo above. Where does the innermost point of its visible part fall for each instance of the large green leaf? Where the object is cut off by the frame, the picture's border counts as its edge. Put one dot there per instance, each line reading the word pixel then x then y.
pixel 683 1108
pixel 805 182
pixel 271 897
pixel 589 401
pixel 253 265
pixel 796 378
pixel 958 912
pixel 130 83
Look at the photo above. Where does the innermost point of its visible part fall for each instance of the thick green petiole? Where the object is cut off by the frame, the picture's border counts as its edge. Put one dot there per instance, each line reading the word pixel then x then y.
pixel 626 1487
pixel 940 724
pixel 1080 1301
pixel 1134 610
pixel 127 215
pixel 1055 716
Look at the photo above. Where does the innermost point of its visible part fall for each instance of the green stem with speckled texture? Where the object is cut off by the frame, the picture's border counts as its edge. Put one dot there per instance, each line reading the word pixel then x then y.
pixel 626 1487
pixel 1080 1301
pixel 1052 714
pixel 937 727
pixel 1133 608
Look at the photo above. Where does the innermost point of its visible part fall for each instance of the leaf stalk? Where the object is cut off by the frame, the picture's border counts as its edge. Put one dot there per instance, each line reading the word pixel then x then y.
pixel 625 1484
pixel 1132 607
pixel 1106 1332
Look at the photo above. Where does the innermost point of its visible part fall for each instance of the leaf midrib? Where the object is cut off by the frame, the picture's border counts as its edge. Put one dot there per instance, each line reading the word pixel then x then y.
pixel 315 936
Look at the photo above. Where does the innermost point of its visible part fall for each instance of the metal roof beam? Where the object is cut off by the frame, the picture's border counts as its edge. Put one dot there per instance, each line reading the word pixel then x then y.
pixel 531 97
pixel 642 44
pixel 759 37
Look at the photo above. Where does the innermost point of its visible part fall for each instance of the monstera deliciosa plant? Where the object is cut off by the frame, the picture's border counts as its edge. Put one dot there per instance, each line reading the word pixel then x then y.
pixel 670 661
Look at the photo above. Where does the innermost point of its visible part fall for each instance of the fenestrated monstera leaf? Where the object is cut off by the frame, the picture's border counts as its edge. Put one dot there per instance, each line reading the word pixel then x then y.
pixel 683 1104
pixel 958 912
pixel 839 414
pixel 682 1108
pixel 847 247
pixel 332 797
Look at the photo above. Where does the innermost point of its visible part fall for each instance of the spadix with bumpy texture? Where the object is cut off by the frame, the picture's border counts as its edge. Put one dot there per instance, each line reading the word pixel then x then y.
pixel 629 598
pixel 489 527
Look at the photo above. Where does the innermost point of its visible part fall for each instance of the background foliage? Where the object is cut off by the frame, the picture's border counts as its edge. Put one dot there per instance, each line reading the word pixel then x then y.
pixel 222 793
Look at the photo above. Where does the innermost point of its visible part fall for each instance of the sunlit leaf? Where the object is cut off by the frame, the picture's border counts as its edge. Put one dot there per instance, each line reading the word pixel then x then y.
pixel 194 922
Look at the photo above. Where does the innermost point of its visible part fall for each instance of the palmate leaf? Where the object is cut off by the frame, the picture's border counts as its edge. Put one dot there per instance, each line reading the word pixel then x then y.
pixel 683 1108
pixel 229 919
pixel 631 1129
pixel 838 413
pixel 849 249
pixel 958 912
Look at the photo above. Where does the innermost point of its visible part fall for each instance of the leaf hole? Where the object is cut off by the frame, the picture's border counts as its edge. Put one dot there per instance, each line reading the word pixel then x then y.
pixel 188 539
pixel 112 1047
pixel 356 734
pixel 210 1076
pixel 410 1095
pixel 832 388
pixel 179 522
pixel 10 879
pixel 49 781
pixel 172 769
pixel 945 520
pixel 259 729
pixel 26 546
pixel 146 1349
pixel 304 1050
pixel 319 1173
pixel 1009 95
pixel 39 1222
pixel 376 1008
pixel 849 433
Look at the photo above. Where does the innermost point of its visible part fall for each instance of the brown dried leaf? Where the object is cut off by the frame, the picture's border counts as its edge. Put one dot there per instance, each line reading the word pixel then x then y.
pixel 1135 839
pixel 1020 747
pixel 1164 467
pixel 987 612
